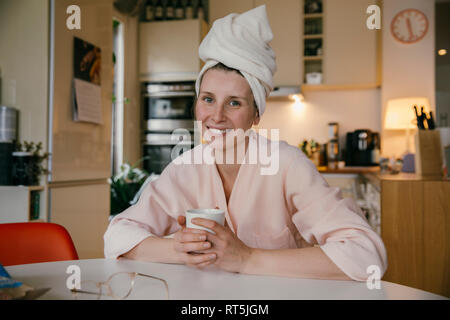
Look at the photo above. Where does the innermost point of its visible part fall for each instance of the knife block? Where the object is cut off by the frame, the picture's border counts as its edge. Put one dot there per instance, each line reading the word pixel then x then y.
pixel 428 159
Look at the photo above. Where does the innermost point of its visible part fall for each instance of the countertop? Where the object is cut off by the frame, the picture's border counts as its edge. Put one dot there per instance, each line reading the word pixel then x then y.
pixel 358 170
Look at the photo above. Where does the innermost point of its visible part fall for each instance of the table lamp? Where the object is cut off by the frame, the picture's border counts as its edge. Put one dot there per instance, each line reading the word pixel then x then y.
pixel 400 115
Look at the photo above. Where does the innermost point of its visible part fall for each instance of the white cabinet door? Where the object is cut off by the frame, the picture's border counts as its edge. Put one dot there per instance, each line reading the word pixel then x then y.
pixel 285 19
pixel 169 50
pixel 350 48
pixel 84 211
pixel 221 8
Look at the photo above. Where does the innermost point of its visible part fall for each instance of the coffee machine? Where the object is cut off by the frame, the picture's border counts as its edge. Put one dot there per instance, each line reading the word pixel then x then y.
pixel 362 147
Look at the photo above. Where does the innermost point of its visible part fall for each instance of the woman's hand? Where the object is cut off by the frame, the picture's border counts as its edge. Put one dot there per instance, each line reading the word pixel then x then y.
pixel 232 253
pixel 188 240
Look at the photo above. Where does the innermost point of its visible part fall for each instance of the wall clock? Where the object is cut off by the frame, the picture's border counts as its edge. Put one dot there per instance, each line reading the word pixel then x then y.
pixel 409 26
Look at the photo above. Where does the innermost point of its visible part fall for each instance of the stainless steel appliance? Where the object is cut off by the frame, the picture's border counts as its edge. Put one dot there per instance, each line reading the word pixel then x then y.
pixel 360 146
pixel 333 145
pixel 168 122
pixel 8 138
pixel 8 124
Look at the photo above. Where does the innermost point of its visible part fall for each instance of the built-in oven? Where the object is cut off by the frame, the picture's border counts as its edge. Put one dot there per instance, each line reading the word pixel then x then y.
pixel 168 122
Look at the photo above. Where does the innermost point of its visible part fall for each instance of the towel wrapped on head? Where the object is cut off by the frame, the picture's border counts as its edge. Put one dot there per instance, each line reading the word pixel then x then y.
pixel 241 41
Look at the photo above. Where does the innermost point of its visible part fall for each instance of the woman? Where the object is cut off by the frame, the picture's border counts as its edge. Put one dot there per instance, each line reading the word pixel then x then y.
pixel 288 223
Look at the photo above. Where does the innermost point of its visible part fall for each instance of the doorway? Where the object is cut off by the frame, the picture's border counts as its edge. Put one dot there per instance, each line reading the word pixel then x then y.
pixel 118 97
pixel 442 60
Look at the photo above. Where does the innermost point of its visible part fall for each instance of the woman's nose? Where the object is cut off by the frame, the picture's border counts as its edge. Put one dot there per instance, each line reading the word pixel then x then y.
pixel 219 114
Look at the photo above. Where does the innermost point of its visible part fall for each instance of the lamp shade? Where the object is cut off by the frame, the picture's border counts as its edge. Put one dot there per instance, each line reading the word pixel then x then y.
pixel 400 114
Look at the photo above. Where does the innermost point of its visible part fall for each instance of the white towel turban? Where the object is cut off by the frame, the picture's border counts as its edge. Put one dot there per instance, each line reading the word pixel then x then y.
pixel 241 41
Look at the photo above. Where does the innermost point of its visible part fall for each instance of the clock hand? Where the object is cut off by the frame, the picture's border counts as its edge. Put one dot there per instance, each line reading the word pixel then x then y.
pixel 408 24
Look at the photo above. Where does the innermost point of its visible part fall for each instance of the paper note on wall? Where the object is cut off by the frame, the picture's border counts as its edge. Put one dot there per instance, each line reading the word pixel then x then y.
pixel 88 102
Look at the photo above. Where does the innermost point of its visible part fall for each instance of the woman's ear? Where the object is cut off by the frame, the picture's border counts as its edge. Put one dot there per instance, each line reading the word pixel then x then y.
pixel 256 120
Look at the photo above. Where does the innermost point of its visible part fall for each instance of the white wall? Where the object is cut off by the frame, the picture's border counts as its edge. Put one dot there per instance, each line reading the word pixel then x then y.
pixel 408 69
pixel 24 41
pixel 352 109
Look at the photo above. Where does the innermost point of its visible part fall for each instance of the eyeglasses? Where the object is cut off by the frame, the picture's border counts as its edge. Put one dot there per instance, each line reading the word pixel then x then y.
pixel 118 286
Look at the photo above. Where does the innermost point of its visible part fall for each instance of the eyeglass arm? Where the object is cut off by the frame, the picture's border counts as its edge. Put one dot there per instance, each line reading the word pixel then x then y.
pixel 153 277
pixel 83 291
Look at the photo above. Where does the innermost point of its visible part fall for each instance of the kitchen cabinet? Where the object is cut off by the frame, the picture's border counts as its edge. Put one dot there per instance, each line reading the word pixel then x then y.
pixel 219 8
pixel 415 228
pixel 80 208
pixel 285 18
pixel 168 50
pixel 356 186
pixel 23 204
pixel 351 52
pixel 285 21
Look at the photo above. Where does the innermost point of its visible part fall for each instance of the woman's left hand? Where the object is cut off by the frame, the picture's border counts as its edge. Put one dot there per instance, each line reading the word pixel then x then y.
pixel 232 254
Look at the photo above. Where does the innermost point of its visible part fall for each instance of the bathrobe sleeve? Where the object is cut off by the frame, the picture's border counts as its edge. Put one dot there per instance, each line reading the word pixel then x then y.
pixel 336 224
pixel 154 214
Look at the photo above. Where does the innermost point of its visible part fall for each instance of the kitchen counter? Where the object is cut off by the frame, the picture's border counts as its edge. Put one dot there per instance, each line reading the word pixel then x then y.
pixel 356 170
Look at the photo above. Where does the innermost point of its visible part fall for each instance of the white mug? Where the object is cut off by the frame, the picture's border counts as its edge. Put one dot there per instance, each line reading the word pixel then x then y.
pixel 218 215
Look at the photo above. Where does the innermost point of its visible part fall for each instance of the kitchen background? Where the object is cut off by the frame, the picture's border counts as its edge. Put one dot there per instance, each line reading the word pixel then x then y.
pixel 360 71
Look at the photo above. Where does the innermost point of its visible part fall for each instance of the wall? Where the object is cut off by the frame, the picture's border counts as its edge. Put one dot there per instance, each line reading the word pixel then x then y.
pixel 24 28
pixel 352 109
pixel 408 69
pixel 79 191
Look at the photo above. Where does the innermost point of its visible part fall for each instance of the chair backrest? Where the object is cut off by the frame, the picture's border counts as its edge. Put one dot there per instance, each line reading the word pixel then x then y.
pixel 33 242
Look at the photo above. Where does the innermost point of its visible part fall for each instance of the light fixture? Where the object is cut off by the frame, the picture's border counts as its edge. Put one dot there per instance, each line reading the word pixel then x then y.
pixel 442 52
pixel 298 99
pixel 400 115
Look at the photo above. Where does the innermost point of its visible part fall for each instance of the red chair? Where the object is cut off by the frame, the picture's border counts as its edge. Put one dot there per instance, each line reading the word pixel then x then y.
pixel 33 242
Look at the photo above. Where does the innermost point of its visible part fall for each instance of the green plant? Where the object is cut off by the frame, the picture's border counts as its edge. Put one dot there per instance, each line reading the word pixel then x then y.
pixel 125 184
pixel 309 147
pixel 37 167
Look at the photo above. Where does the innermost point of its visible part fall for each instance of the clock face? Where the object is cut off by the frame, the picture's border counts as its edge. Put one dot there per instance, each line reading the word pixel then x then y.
pixel 409 26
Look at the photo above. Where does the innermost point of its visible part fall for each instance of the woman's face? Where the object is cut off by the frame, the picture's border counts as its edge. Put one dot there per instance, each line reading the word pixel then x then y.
pixel 225 102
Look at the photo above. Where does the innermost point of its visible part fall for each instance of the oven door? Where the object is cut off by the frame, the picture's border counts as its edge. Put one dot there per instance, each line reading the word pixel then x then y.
pixel 160 149
pixel 175 105
pixel 168 111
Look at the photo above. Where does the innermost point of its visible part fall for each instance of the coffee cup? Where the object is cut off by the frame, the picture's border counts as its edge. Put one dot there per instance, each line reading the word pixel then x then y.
pixel 218 215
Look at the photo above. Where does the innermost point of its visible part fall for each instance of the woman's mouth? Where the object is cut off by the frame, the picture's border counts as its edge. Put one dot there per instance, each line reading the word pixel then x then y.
pixel 216 131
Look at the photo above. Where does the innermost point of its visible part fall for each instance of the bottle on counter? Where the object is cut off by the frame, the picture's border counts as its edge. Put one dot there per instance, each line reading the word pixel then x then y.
pixel 200 11
pixel 170 14
pixel 179 10
pixel 375 153
pixel 189 10
pixel 159 11
pixel 149 11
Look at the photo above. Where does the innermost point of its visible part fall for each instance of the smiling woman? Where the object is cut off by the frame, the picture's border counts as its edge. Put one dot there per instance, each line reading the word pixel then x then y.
pixel 225 104
pixel 286 222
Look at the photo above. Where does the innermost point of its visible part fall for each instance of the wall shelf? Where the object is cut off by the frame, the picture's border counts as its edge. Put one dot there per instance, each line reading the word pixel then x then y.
pixel 23 204
pixel 313 36
pixel 313 15
pixel 324 87
pixel 312 58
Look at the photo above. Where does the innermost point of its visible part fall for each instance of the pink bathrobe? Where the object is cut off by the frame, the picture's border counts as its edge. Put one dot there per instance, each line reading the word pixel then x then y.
pixel 293 208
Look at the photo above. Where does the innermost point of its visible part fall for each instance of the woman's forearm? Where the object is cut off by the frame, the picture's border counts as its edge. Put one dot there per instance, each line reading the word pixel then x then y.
pixel 310 262
pixel 154 249
pixel 301 263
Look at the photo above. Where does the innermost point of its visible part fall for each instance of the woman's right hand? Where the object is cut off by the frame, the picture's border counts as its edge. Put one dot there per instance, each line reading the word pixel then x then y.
pixel 188 240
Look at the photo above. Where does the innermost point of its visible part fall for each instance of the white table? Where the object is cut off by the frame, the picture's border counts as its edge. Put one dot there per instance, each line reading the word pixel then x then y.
pixel 187 283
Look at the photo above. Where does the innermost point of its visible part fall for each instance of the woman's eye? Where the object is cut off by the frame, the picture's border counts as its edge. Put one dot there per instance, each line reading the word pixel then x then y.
pixel 207 99
pixel 235 103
